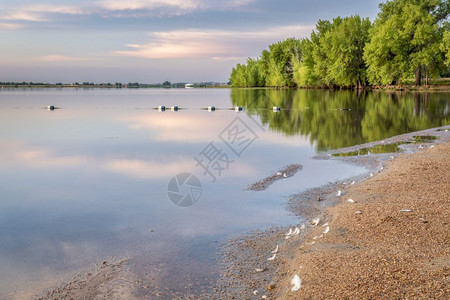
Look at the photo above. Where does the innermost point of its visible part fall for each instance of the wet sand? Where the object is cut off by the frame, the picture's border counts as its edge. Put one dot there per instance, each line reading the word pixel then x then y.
pixel 283 173
pixel 391 241
pixel 107 280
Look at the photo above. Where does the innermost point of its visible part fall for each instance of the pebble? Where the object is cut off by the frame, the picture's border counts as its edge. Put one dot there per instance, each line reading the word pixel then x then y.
pixel 358 212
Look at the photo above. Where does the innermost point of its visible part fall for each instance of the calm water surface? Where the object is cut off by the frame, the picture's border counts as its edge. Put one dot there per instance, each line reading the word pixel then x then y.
pixel 89 181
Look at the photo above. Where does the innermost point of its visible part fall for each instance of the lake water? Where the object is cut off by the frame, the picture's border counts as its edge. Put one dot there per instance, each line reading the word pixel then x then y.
pixel 90 179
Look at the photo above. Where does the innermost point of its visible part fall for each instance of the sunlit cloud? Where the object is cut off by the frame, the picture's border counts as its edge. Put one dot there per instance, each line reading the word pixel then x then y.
pixel 61 58
pixel 58 9
pixel 238 3
pixel 39 12
pixel 23 16
pixel 185 5
pixel 170 7
pixel 216 44
pixel 177 44
pixel 43 12
pixel 229 58
pixel 11 26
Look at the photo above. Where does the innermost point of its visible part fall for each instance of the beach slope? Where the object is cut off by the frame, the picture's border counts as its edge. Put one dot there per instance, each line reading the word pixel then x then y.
pixel 392 242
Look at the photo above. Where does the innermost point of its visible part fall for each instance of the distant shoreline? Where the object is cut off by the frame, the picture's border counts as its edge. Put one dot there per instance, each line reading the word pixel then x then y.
pixel 405 88
pixel 108 86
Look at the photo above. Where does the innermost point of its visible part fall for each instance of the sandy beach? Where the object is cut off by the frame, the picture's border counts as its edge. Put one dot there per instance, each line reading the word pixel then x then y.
pixel 384 237
pixel 392 242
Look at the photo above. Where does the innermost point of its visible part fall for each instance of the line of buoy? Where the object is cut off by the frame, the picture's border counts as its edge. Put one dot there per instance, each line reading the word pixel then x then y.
pixel 209 108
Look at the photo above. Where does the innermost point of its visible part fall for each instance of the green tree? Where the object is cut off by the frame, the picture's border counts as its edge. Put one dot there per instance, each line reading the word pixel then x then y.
pixel 319 55
pixel 405 39
pixel 238 77
pixel 334 54
pixel 275 67
pixel 344 50
pixel 304 75
pixel 445 45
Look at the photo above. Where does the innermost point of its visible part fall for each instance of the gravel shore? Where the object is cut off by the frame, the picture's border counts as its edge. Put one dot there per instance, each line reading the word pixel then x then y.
pixel 392 242
pixel 382 237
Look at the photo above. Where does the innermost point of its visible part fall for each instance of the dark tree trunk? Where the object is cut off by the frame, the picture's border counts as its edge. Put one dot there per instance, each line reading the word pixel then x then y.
pixel 419 76
pixel 417 103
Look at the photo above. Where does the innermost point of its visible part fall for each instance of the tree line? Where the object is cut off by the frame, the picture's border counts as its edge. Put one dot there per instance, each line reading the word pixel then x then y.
pixel 409 40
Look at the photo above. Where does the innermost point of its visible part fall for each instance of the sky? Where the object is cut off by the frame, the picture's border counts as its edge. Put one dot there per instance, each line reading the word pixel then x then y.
pixel 150 41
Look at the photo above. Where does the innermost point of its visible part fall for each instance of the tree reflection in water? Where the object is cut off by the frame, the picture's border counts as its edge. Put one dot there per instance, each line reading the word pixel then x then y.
pixel 373 115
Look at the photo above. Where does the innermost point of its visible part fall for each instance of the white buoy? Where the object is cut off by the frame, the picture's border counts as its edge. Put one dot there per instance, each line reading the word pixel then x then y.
pixel 238 108
pixel 276 109
pixel 161 108
pixel 211 108
pixel 174 108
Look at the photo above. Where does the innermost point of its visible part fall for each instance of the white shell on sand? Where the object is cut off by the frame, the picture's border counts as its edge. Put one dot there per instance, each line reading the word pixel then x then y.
pixel 297 282
pixel 275 251
pixel 315 222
